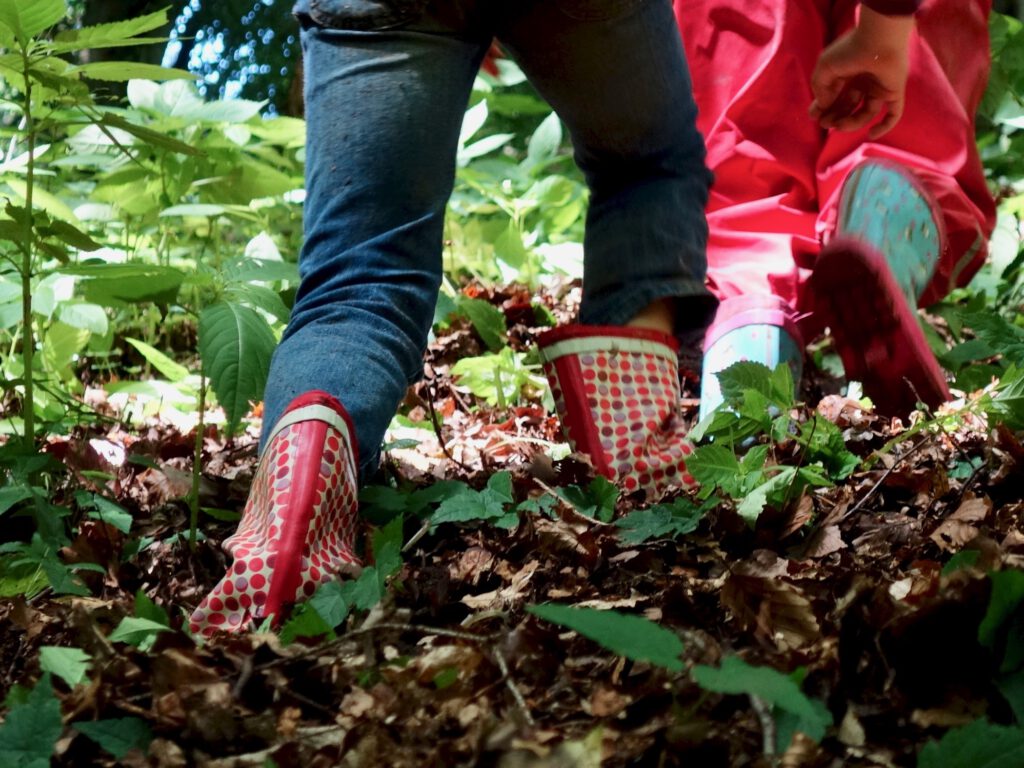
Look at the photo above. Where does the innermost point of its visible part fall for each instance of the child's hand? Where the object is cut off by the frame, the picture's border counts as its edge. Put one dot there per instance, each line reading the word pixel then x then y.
pixel 863 74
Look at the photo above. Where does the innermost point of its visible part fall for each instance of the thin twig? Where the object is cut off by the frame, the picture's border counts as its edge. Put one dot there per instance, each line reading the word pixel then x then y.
pixel 885 475
pixel 424 529
pixel 511 685
pixel 431 391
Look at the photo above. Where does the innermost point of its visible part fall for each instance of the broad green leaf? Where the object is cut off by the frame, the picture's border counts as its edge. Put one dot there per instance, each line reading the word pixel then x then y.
pixel 62 343
pixel 33 726
pixel 117 284
pixel 115 34
pixel 735 676
pixel 69 664
pixel 84 316
pixel 260 297
pixel 714 465
pixel 774 491
pixel 631 636
pixel 12 495
pixel 27 18
pixel 487 319
pixel 118 736
pixel 235 344
pixel 43 200
pixel 544 142
pixel 169 369
pixel 306 620
pixel 145 608
pixel 111 513
pixel 136 631
pixel 979 745
pixel 597 501
pixel 123 71
pixel 1006 599
pixel 70 235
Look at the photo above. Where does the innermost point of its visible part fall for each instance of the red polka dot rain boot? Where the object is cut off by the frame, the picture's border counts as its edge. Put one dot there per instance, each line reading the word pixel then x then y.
pixel 617 393
pixel 299 524
pixel 867 282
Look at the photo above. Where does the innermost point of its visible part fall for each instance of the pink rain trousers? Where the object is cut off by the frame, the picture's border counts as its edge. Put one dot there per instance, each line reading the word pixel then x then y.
pixel 778 174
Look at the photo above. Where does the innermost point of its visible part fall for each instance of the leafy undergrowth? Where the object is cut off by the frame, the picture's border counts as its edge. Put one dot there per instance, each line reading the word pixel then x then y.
pixel 518 614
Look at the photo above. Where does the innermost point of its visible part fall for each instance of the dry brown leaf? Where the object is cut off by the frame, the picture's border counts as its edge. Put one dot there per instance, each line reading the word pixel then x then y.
pixel 773 609
pixel 961 526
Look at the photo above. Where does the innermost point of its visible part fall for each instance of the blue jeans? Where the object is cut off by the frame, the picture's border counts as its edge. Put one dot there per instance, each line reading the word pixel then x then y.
pixel 387 83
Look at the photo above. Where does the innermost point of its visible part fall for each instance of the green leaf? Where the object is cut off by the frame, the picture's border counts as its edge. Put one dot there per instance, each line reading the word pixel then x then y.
pixel 119 284
pixel 663 521
pixel 1005 600
pixel 70 235
pixel 330 603
pixel 13 495
pixel 714 465
pixel 978 745
pixel 32 727
pixel 467 505
pixel 545 141
pixel 597 501
pixel 123 71
pixel 118 736
pixel 306 621
pixel 69 664
pixel 136 631
pixel 148 135
pixel 27 18
pixel 631 636
pixel 145 608
pixel 169 369
pixel 111 513
pixel 235 344
pixel 1000 334
pixel 116 34
pixel 487 319
pixel 1012 689
pixel 735 676
pixel 83 315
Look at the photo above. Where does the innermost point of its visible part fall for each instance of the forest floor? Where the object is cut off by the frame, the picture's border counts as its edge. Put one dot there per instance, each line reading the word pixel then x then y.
pixel 875 588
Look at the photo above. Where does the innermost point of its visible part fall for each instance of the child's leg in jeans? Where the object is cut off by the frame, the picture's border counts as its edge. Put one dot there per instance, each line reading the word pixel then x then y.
pixel 614 71
pixel 383 113
pixel 386 89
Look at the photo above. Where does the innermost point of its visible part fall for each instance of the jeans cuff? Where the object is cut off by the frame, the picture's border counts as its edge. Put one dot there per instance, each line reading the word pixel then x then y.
pixel 695 305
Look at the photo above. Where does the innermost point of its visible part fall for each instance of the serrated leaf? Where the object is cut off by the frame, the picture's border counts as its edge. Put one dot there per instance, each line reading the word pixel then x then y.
pixel 116 284
pixel 235 345
pixel 714 466
pixel 467 505
pixel 118 736
pixel 27 18
pixel 597 500
pixel 735 676
pixel 978 745
pixel 631 636
pixel 69 664
pixel 169 369
pixel 659 522
pixel 114 34
pixel 123 71
pixel 32 728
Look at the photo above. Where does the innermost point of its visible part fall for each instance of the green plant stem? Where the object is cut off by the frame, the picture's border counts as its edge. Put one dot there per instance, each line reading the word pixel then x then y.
pixel 28 338
pixel 197 466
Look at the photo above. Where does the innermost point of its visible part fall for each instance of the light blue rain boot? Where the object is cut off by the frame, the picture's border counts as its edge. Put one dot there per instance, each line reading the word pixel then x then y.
pixel 755 328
